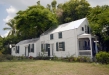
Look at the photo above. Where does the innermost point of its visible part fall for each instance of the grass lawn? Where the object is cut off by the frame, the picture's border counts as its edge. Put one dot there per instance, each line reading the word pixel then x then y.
pixel 40 67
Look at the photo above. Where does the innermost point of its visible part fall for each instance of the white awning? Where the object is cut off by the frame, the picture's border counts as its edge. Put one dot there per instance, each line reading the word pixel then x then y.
pixel 86 36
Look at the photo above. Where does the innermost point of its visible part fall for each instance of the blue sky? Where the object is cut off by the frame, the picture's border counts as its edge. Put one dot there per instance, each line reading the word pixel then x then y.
pixel 3 15
pixel 8 9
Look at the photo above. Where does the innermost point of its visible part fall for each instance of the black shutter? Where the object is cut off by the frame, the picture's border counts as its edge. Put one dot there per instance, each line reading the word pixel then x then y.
pixel 88 29
pixel 29 48
pixel 63 46
pixel 57 46
pixel 18 49
pixel 32 47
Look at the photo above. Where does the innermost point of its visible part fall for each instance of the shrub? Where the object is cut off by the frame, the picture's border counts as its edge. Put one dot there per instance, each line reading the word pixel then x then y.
pixel 2 58
pixel 42 58
pixel 102 57
pixel 8 57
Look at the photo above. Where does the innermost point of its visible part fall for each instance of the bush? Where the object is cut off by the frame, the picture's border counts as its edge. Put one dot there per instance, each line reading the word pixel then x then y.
pixel 79 59
pixel 102 57
pixel 1 58
pixel 8 57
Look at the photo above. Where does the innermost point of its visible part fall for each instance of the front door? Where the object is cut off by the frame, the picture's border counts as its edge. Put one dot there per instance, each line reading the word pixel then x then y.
pixel 26 51
pixel 48 49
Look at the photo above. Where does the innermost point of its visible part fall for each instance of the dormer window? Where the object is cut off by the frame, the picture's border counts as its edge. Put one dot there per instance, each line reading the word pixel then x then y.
pixel 82 28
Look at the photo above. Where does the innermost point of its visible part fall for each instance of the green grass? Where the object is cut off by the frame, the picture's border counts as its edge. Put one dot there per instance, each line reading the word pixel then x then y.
pixel 40 67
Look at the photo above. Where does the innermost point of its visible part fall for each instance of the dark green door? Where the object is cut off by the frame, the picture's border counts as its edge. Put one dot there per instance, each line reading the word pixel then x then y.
pixel 48 49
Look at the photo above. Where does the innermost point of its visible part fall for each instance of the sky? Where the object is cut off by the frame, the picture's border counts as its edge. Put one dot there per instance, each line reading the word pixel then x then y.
pixel 9 8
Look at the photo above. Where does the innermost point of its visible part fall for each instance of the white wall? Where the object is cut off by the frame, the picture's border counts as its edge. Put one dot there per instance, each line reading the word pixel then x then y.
pixel 69 37
pixel 79 30
pixel 22 50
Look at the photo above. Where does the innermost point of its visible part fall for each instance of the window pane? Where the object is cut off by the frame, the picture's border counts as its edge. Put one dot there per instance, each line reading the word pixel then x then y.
pixel 60 45
pixel 82 28
pixel 51 36
pixel 60 34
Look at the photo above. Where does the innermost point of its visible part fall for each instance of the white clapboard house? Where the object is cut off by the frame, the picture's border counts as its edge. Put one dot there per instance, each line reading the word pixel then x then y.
pixel 26 48
pixel 69 39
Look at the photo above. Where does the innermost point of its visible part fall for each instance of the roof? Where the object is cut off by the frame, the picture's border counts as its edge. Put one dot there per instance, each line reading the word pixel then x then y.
pixel 28 41
pixel 85 35
pixel 69 26
pixel 48 31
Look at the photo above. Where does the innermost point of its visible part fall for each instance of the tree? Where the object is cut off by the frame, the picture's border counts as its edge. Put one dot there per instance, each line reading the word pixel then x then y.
pixel 99 22
pixel 48 7
pixel 59 13
pixel 11 27
pixel 38 2
pixel 74 10
pixel 53 4
pixel 34 21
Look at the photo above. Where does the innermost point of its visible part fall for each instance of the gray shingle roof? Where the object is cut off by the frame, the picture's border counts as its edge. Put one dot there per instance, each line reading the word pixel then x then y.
pixel 28 41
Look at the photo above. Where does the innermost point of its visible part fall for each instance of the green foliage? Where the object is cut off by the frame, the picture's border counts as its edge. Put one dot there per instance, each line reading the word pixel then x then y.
pixel 53 4
pixel 36 19
pixel 102 57
pixel 79 59
pixel 12 27
pixel 73 10
pixel 99 22
pixel 6 57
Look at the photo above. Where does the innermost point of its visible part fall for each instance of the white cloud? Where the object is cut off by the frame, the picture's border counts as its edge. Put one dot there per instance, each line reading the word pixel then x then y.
pixel 7 18
pixel 11 10
pixel 11 13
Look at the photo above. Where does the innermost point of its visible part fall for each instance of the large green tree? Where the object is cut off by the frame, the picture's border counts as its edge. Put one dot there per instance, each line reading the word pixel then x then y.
pixel 74 10
pixel 99 22
pixel 34 21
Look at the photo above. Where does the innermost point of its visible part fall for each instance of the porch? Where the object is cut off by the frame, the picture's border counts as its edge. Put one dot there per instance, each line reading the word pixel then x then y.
pixel 86 45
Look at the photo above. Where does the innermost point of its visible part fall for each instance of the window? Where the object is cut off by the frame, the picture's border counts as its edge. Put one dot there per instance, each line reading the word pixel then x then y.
pixel 87 29
pixel 51 36
pixel 82 28
pixel 47 47
pixel 17 49
pixel 60 34
pixel 31 48
pixel 43 47
pixel 60 46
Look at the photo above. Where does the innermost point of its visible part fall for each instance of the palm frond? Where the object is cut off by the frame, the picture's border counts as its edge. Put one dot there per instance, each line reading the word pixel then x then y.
pixel 6 28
